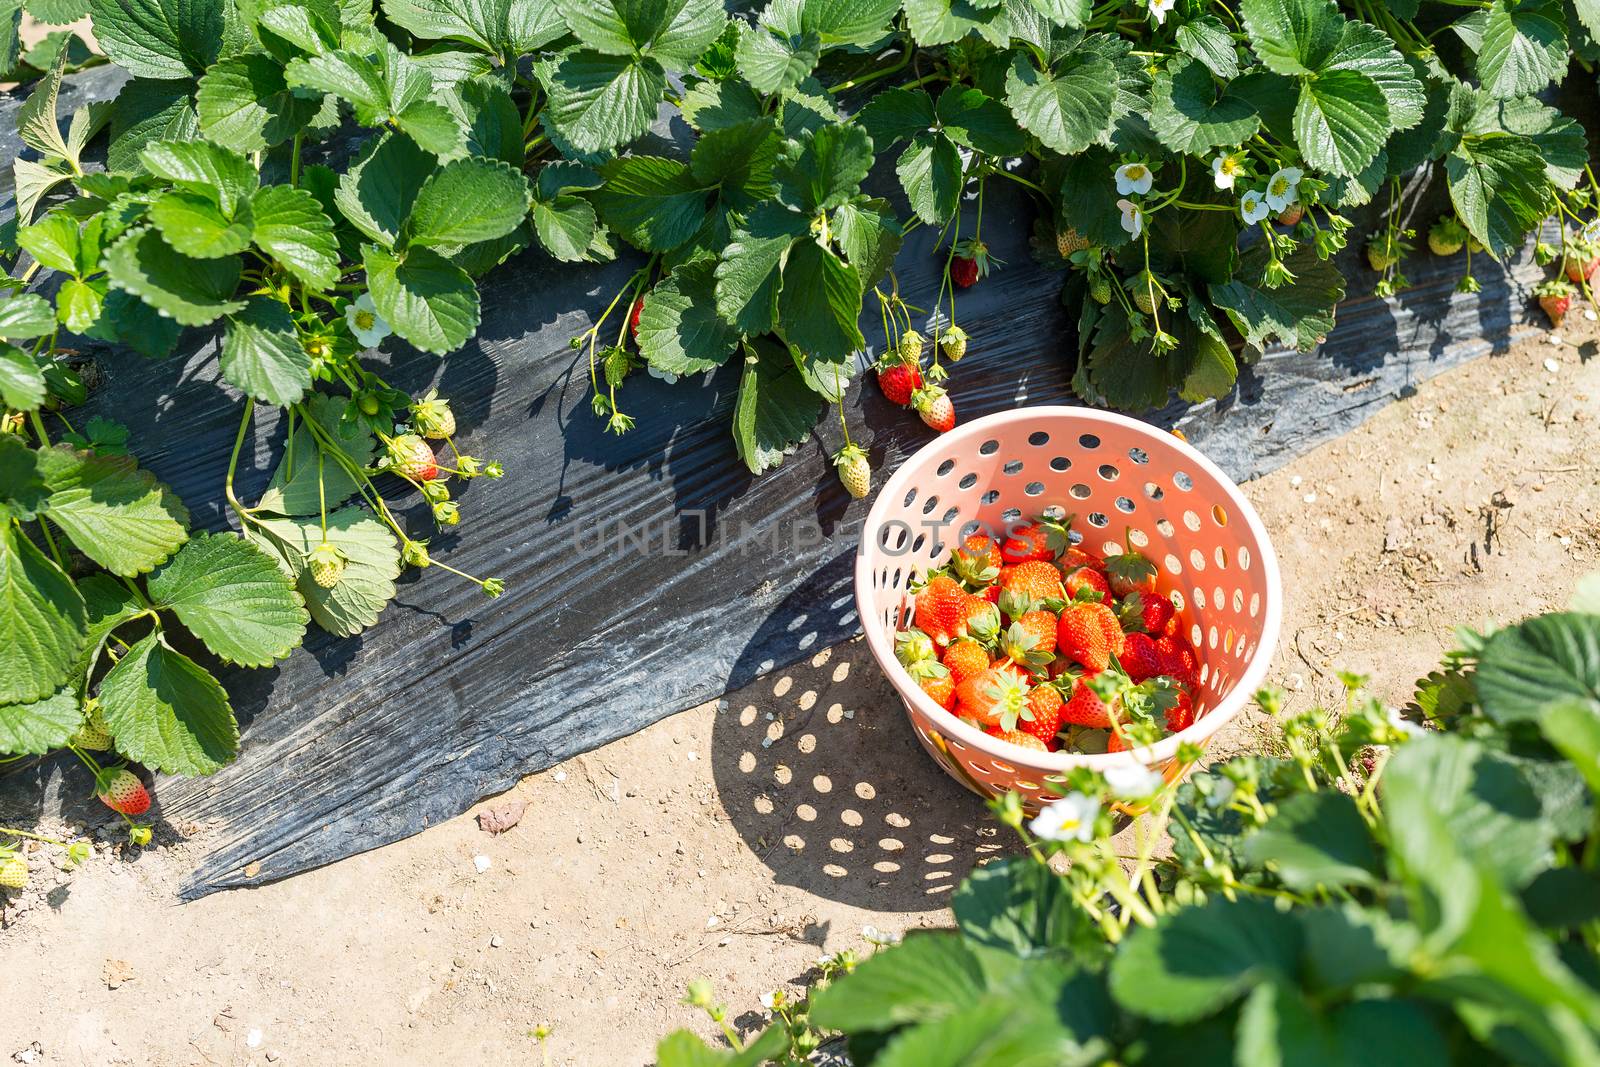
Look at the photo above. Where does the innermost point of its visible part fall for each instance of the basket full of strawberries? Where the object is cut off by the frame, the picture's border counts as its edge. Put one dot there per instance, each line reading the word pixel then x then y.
pixel 1057 587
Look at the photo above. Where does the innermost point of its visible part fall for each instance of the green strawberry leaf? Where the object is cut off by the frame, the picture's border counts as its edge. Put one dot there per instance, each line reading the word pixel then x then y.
pixel 1341 121
pixel 1068 108
pixel 936 22
pixel 294 488
pixel 202 167
pixel 824 168
pixel 372 562
pixel 377 192
pixel 739 159
pixel 57 12
pixel 244 103
pixel 468 200
pixel 1292 37
pixel 711 106
pixel 747 275
pixel 819 304
pixel 429 301
pixel 599 102
pixel 192 292
pixel 22 488
pixel 896 115
pixel 115 513
pixel 775 409
pixel 1499 189
pixel 502 27
pixel 1299 314
pixel 870 235
pixel 289 225
pixel 567 227
pixel 146 111
pixel 36 118
pixel 36 728
pixel 675 32
pixel 655 204
pixel 489 117
pixel 44 613
pixel 194 226
pixel 1524 48
pixel 1191 114
pixel 679 329
pixel 233 596
pixel 1205 38
pixel 930 172
pixel 262 353
pixel 848 22
pixel 54 241
pixel 26 315
pixel 775 60
pixel 168 712
pixel 159 38
pixel 971 118
pixel 108 604
pixel 79 304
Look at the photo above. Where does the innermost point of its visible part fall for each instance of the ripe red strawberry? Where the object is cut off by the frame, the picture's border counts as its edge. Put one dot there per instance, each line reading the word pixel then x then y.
pixel 993 696
pixel 936 408
pixel 1041 626
pixel 411 456
pixel 1045 705
pixel 855 470
pixel 120 790
pixel 1181 715
pixel 964 271
pixel 1130 571
pixel 982 547
pixel 965 659
pixel 899 381
pixel 1086 709
pixel 983 620
pixel 1291 214
pixel 1020 739
pixel 1140 659
pixel 1086 578
pixel 1580 270
pixel 1116 743
pixel 941 611
pixel 633 318
pixel 991 594
pixel 942 688
pixel 1556 305
pixel 14 870
pixel 1076 557
pixel 1035 579
pixel 1149 612
pixel 1178 660
pixel 1026 542
pixel 1084 634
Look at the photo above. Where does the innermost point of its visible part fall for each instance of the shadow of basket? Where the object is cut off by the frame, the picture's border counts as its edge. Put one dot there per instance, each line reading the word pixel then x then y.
pixel 827 784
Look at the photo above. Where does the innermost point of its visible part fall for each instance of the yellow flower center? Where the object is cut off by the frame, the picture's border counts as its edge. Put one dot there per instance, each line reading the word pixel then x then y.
pixel 365 320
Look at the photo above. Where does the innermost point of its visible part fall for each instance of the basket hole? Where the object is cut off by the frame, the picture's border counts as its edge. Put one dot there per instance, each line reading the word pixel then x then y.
pixel 1153 491
pixel 1196 560
pixel 1218 597
pixel 1124 505
pixel 1110 548
pixel 1037 489
pixel 1200 599
pixel 1055 511
pixel 989 447
pixel 1108 472
pixel 1177 599
pixel 1173 566
pixel 946 467
pixel 1182 480
pixel 991 496
pixel 1255 604
pixel 1098 519
pixel 968 480
pixel 1038 438
pixel 1238 600
pixel 950 515
pixel 1211 637
pixel 1013 467
pixel 1165 528
pixel 1079 491
pixel 922 539
pixel 929 504
pixel 899 573
pixel 1192 521
pixel 1060 463
pixel 1244 558
pixel 970 527
pixel 1089 441
pixel 1219 514
pixel 1004 768
pixel 1139 456
pixel 1011 514
pixel 1138 538
pixel 1195 635
pixel 1221 557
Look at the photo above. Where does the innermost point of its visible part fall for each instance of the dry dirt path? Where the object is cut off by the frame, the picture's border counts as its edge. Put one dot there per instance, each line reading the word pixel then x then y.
pixel 693 848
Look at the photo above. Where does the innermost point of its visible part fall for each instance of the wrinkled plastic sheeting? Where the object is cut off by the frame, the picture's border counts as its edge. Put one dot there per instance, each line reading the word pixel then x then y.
pixel 646 573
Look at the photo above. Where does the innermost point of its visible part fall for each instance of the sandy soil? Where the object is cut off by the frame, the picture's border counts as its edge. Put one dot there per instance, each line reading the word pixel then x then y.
pixel 694 849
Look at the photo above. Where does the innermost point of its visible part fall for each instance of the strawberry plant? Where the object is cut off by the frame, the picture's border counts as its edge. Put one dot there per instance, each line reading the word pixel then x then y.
pixel 1191 166
pixel 1390 887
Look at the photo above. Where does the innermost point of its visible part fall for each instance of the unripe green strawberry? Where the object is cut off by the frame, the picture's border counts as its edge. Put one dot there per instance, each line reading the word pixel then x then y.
pixel 13 872
pixel 910 346
pixel 1381 255
pixel 855 471
pixel 1099 288
pixel 433 416
pixel 121 791
pixel 93 735
pixel 1146 291
pixel 326 564
pixel 413 458
pixel 953 344
pixel 1069 240
pixel 1447 237
pixel 1474 245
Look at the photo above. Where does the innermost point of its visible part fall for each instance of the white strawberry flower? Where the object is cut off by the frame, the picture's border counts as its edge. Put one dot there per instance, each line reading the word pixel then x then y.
pixel 1400 724
pixel 1134 179
pixel 1225 170
pixel 1283 188
pixel 769 1001
pixel 1253 206
pixel 1160 8
pixel 364 321
pixel 879 937
pixel 1132 217
pixel 1069 819
pixel 1222 794
pixel 1133 782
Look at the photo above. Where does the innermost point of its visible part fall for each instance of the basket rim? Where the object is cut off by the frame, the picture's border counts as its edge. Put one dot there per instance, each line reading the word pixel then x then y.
pixel 881 643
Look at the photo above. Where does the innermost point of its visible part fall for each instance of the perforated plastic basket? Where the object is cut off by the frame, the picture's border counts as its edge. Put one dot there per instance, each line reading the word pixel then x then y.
pixel 1117 476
